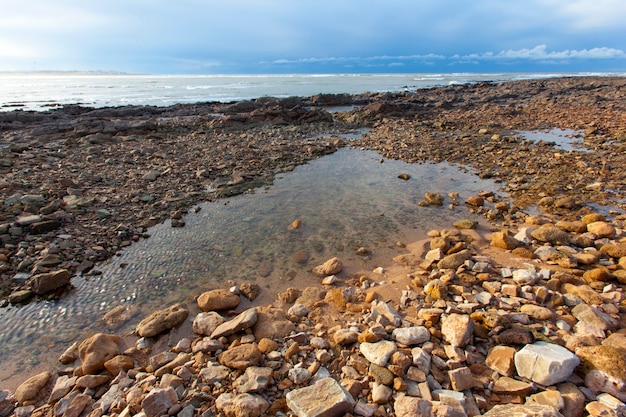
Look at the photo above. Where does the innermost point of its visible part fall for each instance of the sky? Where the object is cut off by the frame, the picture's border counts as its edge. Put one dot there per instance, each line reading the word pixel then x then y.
pixel 321 36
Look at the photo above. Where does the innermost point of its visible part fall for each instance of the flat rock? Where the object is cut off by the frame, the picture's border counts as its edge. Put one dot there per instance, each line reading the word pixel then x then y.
pixel 326 398
pixel 241 405
pixel 518 410
pixel 272 323
pixel 510 386
pixel 537 312
pixel 218 299
pixel 501 360
pixel 406 406
pixel 254 379
pixel 49 281
pixel 158 401
pixel 545 363
pixel 239 323
pixel 551 234
pixel 162 320
pixel 455 260
pixel 242 356
pixel 410 336
pixel 379 352
pixel 214 373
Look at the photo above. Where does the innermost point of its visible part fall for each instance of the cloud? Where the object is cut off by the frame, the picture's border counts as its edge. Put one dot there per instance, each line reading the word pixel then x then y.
pixel 361 60
pixel 541 53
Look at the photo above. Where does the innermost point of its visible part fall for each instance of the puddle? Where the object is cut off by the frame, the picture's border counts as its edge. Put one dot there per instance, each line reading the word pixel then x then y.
pixel 563 139
pixel 345 200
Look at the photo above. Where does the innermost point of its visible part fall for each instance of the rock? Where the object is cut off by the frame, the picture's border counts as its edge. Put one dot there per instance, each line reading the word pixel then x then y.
pixel 158 401
pixel 214 373
pixel 162 320
pixel 551 234
pixel 465 224
pixel 299 375
pixel 249 290
pixel 599 274
pixel 567 203
pixel 461 378
pixel 410 336
pixel 551 397
pixel 330 267
pixel 345 337
pixel 516 410
pixel 433 199
pixel 241 405
pixel 404 176
pixel 573 399
pixel 242 356
pixel 510 386
pixel 298 311
pixel 381 394
pixel 219 299
pixel 379 352
pixel 45 226
pixel 92 381
pixel 614 250
pixel 77 405
pixel 326 398
pixel 20 296
pixel 239 323
pixel 537 312
pixel 380 374
pixel 62 386
pixel 49 281
pixel 31 388
pixel 594 316
pixel 272 323
pixel 604 369
pixel 455 260
pixel 457 329
pixel 515 337
pixel 119 363
pixel 382 313
pixel 206 322
pixel 504 241
pixel 254 379
pixel 96 350
pixel 545 363
pixel 501 360
pixel 572 226
pixel 601 229
pixel 406 406
pixel 475 201
pixel 436 289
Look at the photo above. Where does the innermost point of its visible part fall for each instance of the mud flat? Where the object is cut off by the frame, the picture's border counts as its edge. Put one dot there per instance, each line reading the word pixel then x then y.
pixel 522 312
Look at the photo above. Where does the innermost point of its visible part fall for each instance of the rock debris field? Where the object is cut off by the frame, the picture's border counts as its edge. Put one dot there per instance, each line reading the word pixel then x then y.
pixel 521 314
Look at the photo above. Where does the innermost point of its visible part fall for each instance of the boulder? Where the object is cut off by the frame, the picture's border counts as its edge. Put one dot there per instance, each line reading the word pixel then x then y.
pixel 96 350
pixel 219 299
pixel 326 398
pixel 162 320
pixel 49 281
pixel 545 363
pixel 28 390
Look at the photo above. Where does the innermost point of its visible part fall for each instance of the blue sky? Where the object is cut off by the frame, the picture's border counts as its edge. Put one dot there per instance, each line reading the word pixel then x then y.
pixel 322 36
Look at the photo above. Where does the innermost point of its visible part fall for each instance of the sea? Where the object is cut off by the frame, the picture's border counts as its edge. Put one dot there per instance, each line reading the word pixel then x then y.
pixel 45 90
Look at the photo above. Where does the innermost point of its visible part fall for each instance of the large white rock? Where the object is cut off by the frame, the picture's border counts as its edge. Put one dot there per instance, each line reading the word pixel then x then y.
pixel 410 336
pixel 379 352
pixel 326 398
pixel 545 363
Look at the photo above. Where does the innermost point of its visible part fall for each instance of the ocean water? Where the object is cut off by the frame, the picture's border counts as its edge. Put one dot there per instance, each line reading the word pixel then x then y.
pixel 41 91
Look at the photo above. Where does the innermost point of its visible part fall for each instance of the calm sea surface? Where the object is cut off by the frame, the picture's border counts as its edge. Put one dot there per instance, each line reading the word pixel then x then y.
pixel 40 91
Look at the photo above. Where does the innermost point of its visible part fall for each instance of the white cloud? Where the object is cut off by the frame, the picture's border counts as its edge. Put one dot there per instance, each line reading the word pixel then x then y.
pixel 541 53
pixel 361 60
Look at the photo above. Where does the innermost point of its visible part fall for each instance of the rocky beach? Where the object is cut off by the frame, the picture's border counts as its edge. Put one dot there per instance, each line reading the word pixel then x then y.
pixel 520 313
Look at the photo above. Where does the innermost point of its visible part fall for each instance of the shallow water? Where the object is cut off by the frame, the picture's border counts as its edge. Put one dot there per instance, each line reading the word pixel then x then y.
pixel 345 201
pixel 563 139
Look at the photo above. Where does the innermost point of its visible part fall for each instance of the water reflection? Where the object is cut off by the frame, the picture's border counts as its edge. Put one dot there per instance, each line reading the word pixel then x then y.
pixel 345 200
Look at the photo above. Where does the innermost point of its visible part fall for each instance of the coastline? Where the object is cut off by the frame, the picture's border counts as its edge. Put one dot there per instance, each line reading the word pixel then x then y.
pixel 404 125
